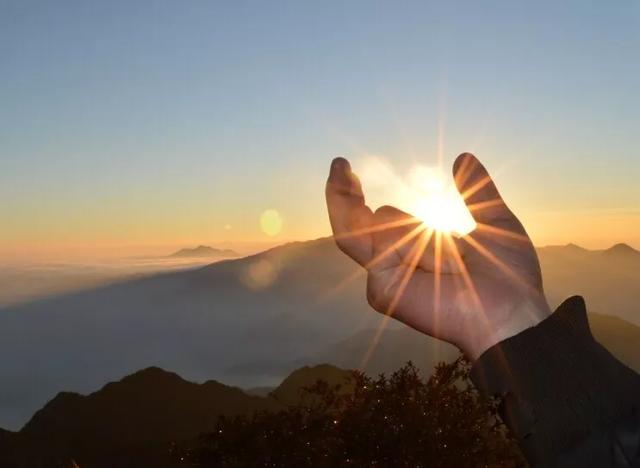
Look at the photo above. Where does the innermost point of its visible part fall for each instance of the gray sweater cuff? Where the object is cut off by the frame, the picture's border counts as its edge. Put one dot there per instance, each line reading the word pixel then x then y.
pixel 557 385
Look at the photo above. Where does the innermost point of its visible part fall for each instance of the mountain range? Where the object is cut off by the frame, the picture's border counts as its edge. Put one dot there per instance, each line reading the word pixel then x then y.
pixel 608 279
pixel 134 421
pixel 204 251
pixel 249 322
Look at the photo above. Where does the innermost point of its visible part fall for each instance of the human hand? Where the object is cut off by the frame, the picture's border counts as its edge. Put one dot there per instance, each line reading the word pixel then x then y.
pixel 473 291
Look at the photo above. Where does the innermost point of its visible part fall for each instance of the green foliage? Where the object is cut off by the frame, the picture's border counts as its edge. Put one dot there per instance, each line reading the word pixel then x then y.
pixel 399 421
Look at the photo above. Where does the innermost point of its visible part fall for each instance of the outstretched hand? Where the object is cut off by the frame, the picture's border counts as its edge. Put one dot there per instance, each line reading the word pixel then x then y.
pixel 473 291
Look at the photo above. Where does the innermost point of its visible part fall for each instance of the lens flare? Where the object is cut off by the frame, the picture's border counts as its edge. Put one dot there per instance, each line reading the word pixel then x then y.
pixel 271 222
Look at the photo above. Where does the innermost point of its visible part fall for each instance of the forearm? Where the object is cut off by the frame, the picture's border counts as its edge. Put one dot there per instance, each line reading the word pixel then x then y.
pixel 566 399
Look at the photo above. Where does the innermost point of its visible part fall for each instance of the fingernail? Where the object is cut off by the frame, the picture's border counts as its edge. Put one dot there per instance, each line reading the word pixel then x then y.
pixel 340 168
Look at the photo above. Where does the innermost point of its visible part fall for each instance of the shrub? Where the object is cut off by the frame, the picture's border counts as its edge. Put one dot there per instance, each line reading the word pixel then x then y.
pixel 400 421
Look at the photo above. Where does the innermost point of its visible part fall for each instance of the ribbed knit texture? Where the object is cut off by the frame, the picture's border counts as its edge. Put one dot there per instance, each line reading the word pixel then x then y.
pixel 564 396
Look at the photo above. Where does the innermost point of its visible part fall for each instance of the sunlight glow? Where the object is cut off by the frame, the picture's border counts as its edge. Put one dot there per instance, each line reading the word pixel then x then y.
pixel 424 193
pixel 404 276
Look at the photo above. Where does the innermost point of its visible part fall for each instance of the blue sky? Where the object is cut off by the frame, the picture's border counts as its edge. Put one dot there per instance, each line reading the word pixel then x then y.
pixel 134 122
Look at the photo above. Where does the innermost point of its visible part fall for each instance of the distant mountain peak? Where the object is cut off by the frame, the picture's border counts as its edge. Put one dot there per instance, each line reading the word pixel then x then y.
pixel 288 392
pixel 151 400
pixel 621 249
pixel 569 248
pixel 150 375
pixel 204 251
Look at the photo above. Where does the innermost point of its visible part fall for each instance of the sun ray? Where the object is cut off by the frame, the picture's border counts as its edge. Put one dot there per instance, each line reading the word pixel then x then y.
pixel 374 261
pixel 414 255
pixel 416 252
pixel 476 187
pixel 473 207
pixel 464 272
pixel 440 134
pixel 402 132
pixel 396 245
pixel 497 262
pixel 502 232
pixel 463 172
pixel 378 228
pixel 437 279
pixel 437 284
pixel 504 267
pixel 468 282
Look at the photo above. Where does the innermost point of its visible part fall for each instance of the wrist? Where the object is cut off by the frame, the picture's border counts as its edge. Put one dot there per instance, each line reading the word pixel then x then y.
pixel 519 316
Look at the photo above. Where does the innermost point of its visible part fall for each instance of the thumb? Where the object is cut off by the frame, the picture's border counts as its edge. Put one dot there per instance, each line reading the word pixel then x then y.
pixel 479 192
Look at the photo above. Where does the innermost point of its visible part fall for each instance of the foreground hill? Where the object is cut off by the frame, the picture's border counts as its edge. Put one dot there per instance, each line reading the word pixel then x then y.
pixel 271 309
pixel 132 422
pixel 251 321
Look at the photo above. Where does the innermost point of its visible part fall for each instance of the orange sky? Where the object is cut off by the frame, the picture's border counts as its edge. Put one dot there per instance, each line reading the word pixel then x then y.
pixel 149 226
pixel 125 132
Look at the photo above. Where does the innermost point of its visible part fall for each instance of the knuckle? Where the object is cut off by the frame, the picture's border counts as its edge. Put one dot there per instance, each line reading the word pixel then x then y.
pixel 387 212
pixel 384 209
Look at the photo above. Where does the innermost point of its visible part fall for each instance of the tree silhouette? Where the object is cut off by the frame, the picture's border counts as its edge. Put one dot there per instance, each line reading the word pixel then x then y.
pixel 399 421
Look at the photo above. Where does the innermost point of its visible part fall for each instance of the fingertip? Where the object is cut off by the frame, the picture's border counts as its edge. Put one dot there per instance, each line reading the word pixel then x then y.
pixel 476 186
pixel 468 170
pixel 463 161
pixel 340 165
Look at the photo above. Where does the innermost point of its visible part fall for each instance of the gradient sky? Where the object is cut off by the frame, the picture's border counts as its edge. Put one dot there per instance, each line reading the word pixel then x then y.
pixel 166 123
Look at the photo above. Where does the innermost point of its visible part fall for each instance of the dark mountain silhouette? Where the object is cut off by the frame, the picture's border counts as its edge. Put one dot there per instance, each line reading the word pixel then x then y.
pixel 275 308
pixel 248 322
pixel 12 448
pixel 204 251
pixel 288 392
pixel 131 422
pixel 259 391
pixel 7 438
pixel 134 421
pixel 137 417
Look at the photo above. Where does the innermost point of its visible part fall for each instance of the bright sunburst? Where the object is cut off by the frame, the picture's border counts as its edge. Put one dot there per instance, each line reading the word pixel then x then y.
pixel 423 192
pixel 427 194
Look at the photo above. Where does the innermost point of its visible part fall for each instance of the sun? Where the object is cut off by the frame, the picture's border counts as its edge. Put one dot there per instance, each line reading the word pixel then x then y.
pixel 423 192
pixel 436 202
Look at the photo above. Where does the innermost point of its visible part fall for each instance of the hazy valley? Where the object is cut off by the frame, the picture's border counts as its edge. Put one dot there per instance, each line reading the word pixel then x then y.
pixel 249 322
